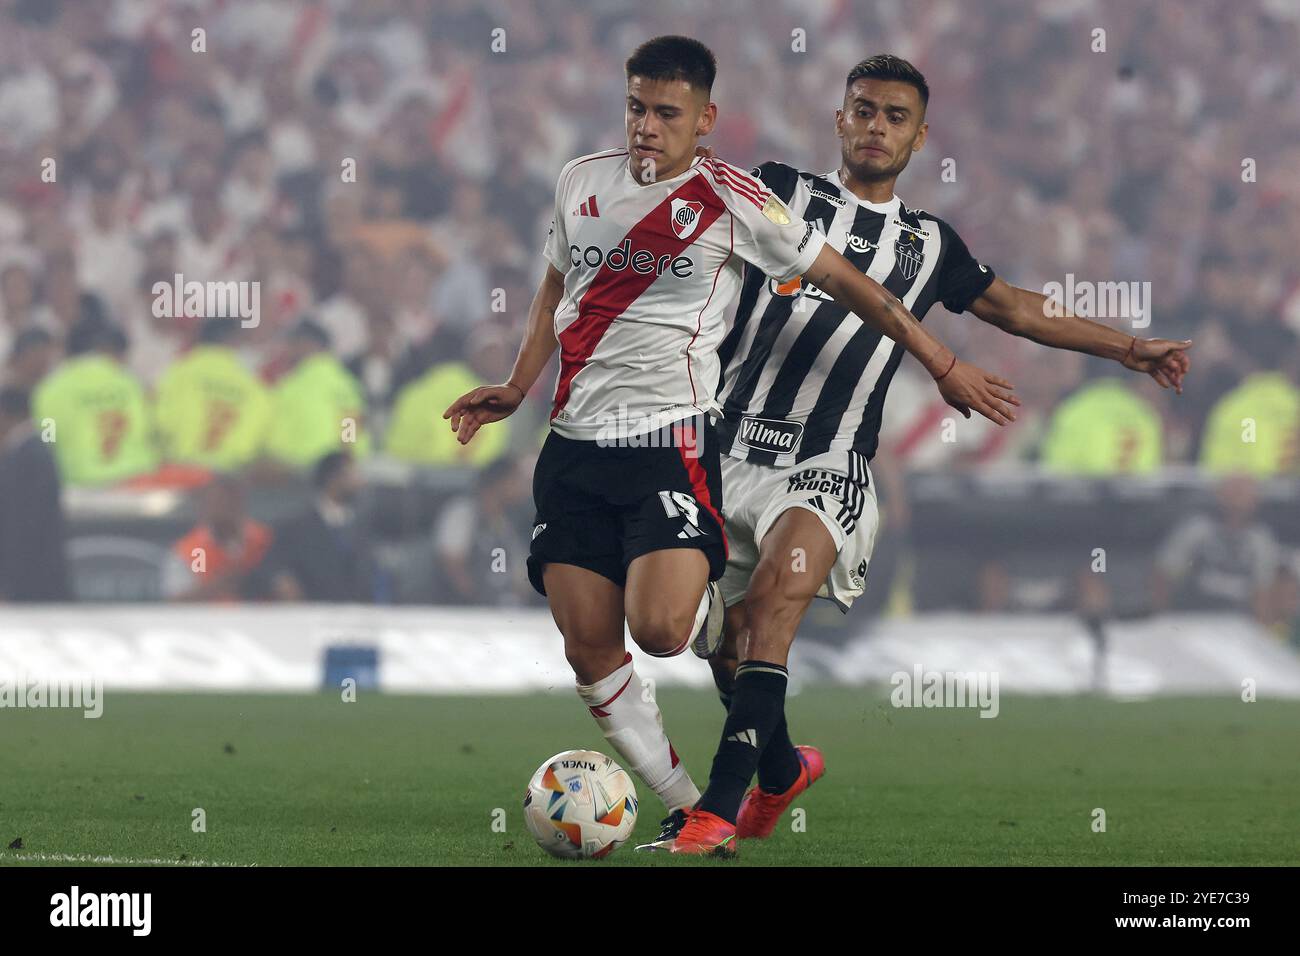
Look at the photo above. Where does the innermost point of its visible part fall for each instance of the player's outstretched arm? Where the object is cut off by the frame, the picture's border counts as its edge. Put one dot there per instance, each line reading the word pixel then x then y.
pixel 1025 313
pixel 965 387
pixel 491 403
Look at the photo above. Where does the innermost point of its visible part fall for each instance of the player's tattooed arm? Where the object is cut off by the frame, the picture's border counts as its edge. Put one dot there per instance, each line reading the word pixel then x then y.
pixel 491 403
pixel 965 387
pixel 1025 313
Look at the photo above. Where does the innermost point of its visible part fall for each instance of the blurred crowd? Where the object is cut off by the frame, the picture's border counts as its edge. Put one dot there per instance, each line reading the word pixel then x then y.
pixel 384 171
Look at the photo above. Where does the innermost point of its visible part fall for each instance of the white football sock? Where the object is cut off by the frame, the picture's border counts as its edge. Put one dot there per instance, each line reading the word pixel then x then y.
pixel 635 729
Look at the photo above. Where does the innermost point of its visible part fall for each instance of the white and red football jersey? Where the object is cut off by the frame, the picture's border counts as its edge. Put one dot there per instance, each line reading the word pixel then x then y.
pixel 649 269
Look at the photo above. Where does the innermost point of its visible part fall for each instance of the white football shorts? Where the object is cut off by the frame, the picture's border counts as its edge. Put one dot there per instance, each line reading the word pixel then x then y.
pixel 836 486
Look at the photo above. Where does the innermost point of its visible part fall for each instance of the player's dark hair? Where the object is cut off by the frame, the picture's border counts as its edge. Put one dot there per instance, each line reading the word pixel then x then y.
pixel 329 467
pixel 886 66
pixel 674 58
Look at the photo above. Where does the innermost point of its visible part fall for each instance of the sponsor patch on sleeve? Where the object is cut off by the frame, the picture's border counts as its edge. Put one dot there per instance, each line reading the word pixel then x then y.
pixel 775 210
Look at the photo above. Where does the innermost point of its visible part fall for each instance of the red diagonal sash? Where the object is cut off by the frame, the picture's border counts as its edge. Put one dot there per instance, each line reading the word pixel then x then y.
pixel 613 290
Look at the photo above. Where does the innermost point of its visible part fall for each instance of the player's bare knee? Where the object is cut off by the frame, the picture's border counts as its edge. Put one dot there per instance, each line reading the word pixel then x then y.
pixel 662 628
pixel 661 633
pixel 581 660
pixel 592 660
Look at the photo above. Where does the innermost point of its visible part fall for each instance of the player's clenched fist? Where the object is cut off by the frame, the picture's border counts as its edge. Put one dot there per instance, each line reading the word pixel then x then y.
pixel 969 388
pixel 488 403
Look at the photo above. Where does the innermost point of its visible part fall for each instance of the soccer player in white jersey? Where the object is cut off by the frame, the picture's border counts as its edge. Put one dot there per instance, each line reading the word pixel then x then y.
pixel 803 390
pixel 644 254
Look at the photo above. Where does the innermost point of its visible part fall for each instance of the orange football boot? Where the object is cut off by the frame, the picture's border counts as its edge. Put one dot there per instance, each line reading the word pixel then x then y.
pixel 705 834
pixel 760 810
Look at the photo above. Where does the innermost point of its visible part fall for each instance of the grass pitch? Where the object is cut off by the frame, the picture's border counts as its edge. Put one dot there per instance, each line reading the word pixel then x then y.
pixel 310 780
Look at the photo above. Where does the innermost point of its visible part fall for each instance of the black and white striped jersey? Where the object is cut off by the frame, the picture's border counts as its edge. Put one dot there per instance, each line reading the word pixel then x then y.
pixel 802 375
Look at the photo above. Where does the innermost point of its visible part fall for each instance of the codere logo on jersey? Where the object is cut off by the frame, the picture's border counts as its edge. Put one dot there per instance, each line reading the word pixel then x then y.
pixel 641 261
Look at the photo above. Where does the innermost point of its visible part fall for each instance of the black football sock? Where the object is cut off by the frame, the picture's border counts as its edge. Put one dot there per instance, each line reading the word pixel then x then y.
pixel 756 707
pixel 778 767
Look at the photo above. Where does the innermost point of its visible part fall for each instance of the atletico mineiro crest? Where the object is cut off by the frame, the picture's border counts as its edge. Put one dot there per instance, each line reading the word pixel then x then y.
pixel 685 216
pixel 911 253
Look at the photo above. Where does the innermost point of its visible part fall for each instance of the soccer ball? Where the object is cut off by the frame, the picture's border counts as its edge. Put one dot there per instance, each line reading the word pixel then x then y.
pixel 580 804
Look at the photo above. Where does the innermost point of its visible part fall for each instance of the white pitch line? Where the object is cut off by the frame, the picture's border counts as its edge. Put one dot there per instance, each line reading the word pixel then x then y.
pixel 114 860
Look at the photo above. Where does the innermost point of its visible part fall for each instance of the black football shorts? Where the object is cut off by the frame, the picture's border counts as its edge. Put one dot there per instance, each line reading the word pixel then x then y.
pixel 601 505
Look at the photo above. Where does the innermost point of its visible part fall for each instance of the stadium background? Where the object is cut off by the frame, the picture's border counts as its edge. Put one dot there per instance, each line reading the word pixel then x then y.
pixel 414 278
pixel 228 165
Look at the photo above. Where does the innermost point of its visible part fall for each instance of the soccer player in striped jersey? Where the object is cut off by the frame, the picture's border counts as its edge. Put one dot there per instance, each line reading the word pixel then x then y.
pixel 803 390
pixel 643 256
